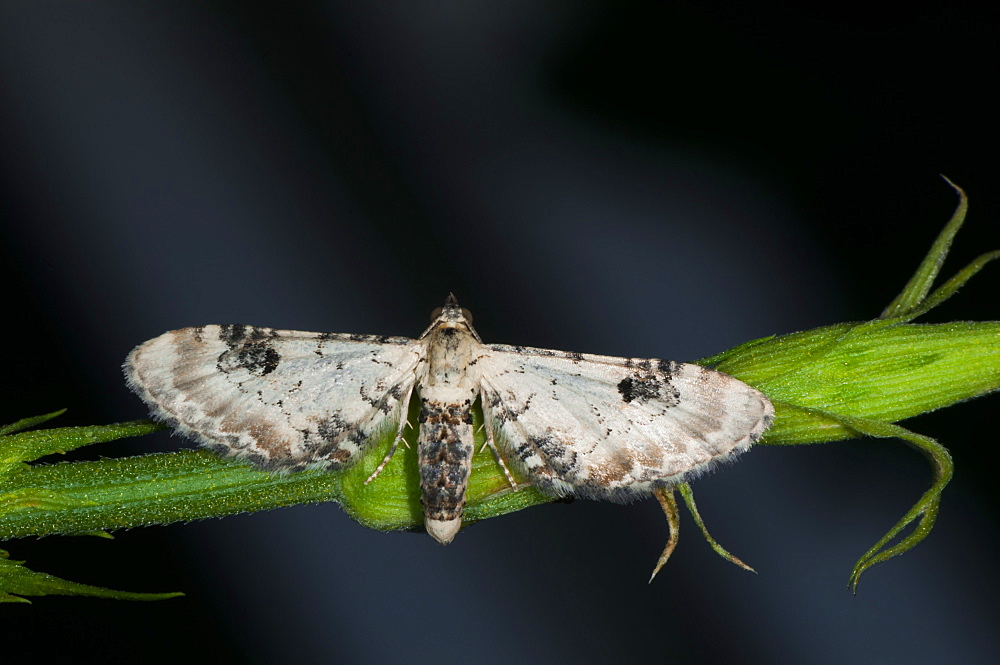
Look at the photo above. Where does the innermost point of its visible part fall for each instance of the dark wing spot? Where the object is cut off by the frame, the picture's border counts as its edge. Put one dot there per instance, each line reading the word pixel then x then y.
pixel 648 384
pixel 641 388
pixel 257 358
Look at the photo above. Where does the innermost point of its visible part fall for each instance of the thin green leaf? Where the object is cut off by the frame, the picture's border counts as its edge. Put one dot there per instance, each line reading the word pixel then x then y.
pixel 668 502
pixel 17 581
pixel 28 423
pixel 926 508
pixel 920 284
pixel 28 446
pixel 688 494
pixel 945 291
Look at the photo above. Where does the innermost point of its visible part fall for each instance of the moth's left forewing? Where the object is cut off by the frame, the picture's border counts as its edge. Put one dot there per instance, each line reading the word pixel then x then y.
pixel 614 428
pixel 280 399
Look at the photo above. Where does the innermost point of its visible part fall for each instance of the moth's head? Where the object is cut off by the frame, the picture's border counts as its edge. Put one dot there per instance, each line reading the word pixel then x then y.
pixel 450 315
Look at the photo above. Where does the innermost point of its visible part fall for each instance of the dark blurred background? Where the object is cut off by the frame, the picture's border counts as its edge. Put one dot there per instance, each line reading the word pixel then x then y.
pixel 628 178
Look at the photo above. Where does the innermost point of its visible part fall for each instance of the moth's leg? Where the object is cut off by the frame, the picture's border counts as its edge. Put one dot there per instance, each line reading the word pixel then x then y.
pixel 404 409
pixel 491 442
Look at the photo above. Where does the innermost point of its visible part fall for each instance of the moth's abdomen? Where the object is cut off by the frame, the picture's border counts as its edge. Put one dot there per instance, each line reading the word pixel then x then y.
pixel 445 450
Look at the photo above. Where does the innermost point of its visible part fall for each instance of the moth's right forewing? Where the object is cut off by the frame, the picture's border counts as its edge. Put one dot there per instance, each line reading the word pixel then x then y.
pixel 615 428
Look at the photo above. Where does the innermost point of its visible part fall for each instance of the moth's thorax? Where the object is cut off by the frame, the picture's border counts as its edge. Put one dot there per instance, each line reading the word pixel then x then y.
pixel 451 351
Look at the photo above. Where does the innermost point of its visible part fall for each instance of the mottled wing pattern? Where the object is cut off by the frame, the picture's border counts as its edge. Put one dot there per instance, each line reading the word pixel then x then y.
pixel 280 399
pixel 615 428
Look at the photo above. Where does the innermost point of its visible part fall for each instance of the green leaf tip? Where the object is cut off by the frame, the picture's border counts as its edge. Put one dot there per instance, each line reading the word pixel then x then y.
pixel 919 286
pixel 688 494
pixel 18 446
pixel 28 423
pixel 17 581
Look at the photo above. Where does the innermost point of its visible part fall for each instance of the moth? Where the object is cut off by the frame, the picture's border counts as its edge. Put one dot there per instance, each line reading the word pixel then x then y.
pixel 592 426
